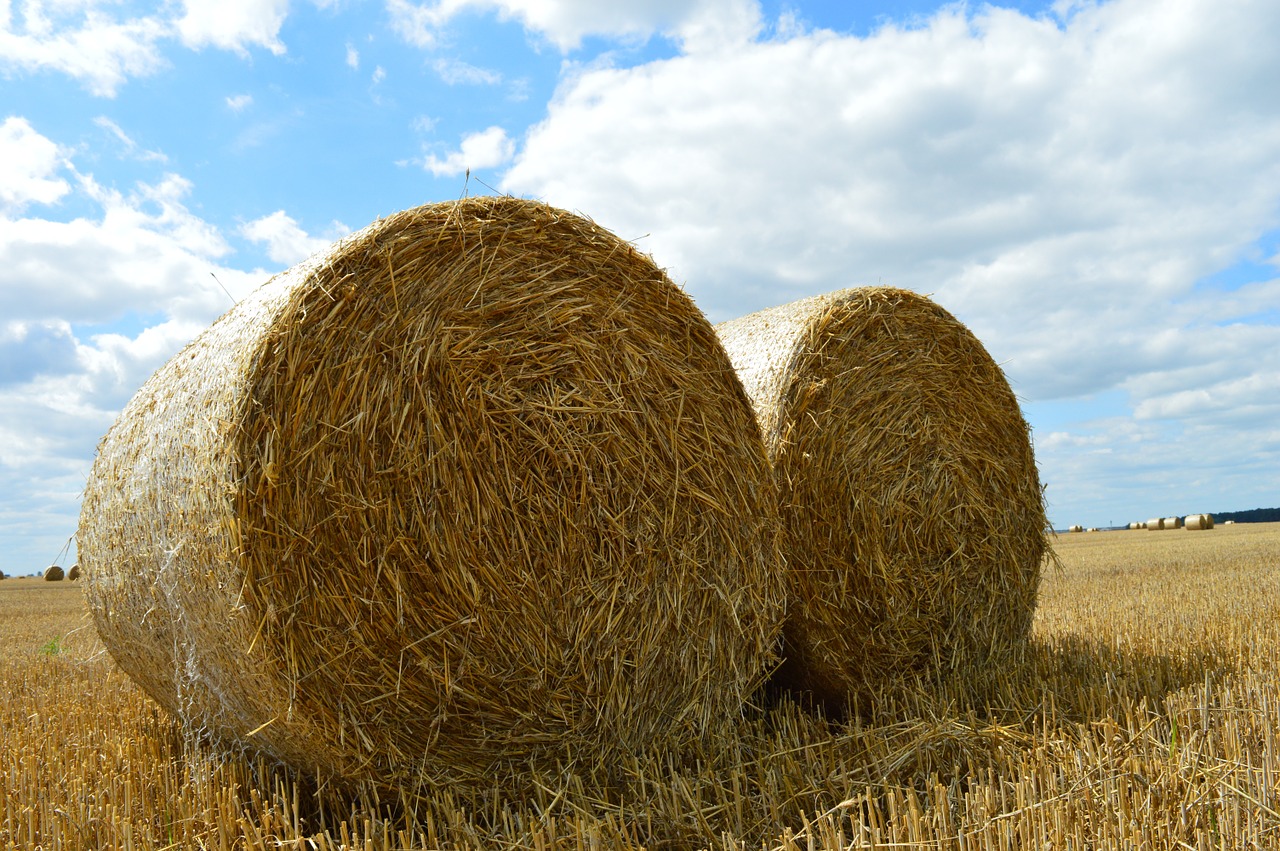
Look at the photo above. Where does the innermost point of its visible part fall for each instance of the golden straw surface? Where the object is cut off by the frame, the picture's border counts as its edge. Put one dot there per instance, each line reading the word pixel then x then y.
pixel 474 491
pixel 913 519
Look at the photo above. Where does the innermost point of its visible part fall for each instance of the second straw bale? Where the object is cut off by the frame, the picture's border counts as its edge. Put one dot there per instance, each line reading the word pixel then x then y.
pixel 913 519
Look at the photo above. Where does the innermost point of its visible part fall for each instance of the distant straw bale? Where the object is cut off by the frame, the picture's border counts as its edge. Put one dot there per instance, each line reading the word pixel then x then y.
pixel 913 518
pixel 74 573
pixel 1173 523
pixel 53 573
pixel 1198 522
pixel 474 491
pixel 1155 524
pixel 1076 529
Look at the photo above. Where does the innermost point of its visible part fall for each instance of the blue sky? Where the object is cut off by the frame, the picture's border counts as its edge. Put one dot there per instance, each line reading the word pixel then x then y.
pixel 1092 187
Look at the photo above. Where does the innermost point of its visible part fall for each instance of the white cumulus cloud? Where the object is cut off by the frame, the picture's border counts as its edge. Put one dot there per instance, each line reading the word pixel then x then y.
pixel 1065 185
pixel 83 40
pixel 233 25
pixel 486 149
pixel 145 253
pixel 29 166
pixel 1044 179
pixel 286 242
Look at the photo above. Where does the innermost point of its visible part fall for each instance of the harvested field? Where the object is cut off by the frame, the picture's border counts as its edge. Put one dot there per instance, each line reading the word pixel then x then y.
pixel 1145 717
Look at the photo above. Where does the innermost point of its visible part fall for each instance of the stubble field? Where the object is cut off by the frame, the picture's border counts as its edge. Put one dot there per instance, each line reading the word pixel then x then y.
pixel 1145 715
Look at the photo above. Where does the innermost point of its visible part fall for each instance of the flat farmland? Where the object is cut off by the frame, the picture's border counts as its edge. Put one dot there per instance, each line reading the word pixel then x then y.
pixel 1145 714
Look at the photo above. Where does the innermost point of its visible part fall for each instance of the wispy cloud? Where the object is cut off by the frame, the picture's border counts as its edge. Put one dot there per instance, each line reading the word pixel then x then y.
pixel 456 72
pixel 131 148
pixel 698 23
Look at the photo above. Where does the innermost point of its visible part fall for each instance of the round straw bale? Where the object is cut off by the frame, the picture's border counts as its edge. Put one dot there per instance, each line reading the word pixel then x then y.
pixel 1196 522
pixel 74 573
pixel 1173 523
pixel 913 519
pixel 477 489
pixel 1155 524
pixel 53 573
pixel 1076 529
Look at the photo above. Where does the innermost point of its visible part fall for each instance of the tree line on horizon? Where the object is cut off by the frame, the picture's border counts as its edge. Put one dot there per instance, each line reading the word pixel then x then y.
pixel 1252 515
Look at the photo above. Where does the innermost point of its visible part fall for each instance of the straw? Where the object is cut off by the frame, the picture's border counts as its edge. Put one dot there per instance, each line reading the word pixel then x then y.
pixel 477 489
pixel 913 518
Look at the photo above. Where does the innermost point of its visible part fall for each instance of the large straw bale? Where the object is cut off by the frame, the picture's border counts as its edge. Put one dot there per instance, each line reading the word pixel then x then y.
pixel 1196 522
pixel 1076 529
pixel 1155 524
pixel 474 490
pixel 53 573
pixel 74 573
pixel 913 518
pixel 1173 522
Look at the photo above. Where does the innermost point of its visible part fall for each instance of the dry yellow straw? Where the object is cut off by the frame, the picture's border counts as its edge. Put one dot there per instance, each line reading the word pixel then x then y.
pixel 475 489
pixel 913 518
